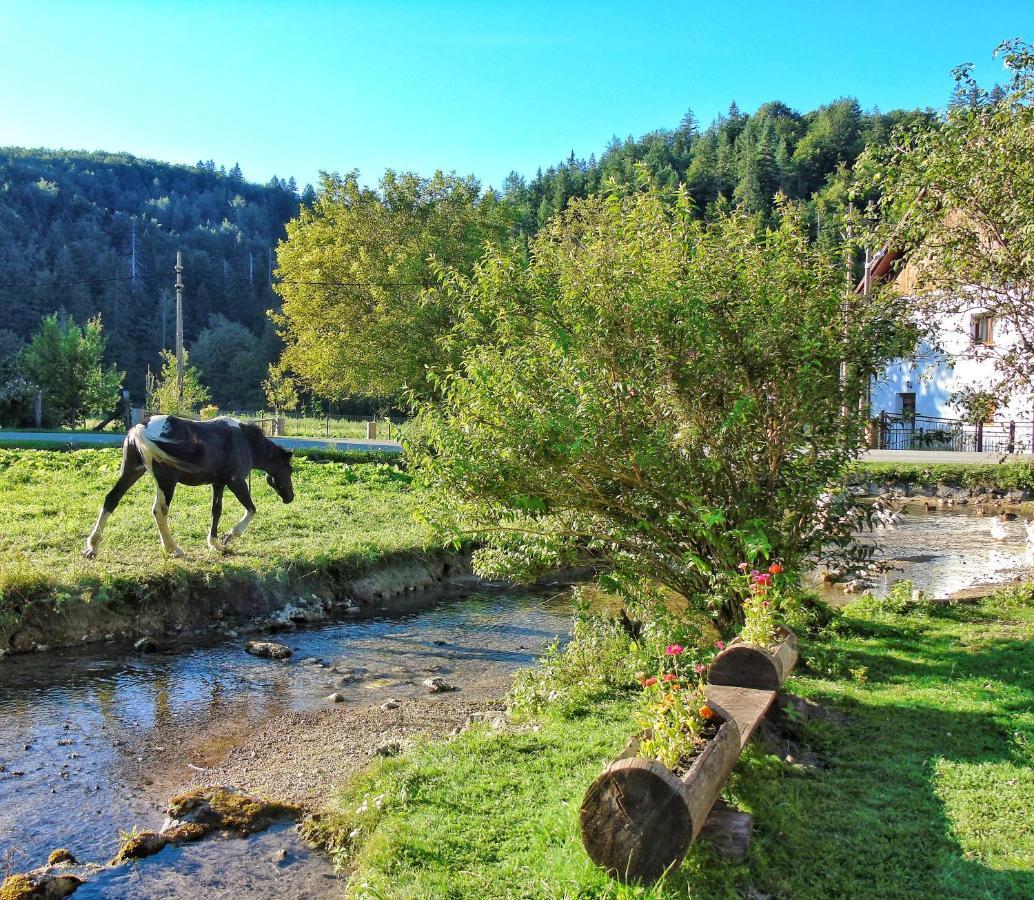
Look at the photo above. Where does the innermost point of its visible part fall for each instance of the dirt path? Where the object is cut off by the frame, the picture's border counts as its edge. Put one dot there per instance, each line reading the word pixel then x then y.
pixel 300 757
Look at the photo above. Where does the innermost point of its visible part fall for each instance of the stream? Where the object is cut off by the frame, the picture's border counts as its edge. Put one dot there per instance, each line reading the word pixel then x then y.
pixel 90 737
pixel 943 552
pixel 80 727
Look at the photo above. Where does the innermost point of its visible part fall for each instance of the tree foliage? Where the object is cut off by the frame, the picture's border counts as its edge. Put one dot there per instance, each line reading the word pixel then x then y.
pixel 231 362
pixel 163 395
pixel 362 314
pixel 66 363
pixel 653 389
pixel 958 199
pixel 97 233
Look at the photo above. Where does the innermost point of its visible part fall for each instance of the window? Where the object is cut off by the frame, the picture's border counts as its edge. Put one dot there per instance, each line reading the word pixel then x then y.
pixel 982 326
pixel 907 405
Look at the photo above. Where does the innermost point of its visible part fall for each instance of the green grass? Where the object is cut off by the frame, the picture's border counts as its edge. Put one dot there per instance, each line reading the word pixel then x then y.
pixel 929 791
pixel 1006 476
pixel 344 515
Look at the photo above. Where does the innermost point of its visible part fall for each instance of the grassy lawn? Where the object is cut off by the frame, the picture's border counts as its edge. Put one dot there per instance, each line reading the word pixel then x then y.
pixel 928 793
pixel 342 515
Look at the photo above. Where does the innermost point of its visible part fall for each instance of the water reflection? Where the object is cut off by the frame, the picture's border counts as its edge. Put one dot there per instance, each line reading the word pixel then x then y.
pixel 90 737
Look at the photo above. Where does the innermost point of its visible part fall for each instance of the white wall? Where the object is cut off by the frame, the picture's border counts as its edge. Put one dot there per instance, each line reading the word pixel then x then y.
pixel 935 374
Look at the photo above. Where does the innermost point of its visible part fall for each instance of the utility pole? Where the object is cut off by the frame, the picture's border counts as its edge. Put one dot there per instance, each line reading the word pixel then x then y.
pixel 132 252
pixel 179 325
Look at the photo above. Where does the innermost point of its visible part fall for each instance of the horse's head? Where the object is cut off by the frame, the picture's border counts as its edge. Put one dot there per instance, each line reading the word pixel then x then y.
pixel 278 473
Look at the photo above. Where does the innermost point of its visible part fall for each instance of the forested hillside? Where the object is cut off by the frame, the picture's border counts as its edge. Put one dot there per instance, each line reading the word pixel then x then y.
pixel 89 233
pixel 98 232
pixel 745 159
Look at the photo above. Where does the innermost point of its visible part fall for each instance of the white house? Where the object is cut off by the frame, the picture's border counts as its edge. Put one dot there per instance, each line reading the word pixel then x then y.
pixel 913 397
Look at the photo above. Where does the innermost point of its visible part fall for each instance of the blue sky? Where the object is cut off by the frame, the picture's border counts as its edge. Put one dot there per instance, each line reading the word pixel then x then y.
pixel 293 88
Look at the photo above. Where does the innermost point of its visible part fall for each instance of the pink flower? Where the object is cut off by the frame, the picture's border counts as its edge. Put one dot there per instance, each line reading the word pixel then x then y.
pixel 765 604
pixel 764 580
pixel 674 649
pixel 720 645
pixel 700 668
pixel 743 567
pixel 669 677
pixel 649 682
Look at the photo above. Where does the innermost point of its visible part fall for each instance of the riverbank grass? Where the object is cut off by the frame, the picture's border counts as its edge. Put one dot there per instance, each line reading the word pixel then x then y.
pixel 920 780
pixel 344 515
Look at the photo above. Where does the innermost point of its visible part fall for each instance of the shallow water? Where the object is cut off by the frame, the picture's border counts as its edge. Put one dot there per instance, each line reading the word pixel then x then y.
pixel 942 552
pixel 83 732
pixel 71 722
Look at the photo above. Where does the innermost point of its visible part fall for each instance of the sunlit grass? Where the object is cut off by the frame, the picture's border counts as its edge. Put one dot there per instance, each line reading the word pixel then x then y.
pixel 928 791
pixel 348 514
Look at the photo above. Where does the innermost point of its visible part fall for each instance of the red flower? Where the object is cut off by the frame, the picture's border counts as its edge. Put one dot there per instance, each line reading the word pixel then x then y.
pixel 669 677
pixel 763 580
pixel 706 712
pixel 775 569
pixel 720 645
pixel 674 649
pixel 648 682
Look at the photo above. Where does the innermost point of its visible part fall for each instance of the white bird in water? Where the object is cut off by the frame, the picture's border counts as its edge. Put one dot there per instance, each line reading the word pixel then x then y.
pixel 887 517
pixel 998 531
pixel 1028 524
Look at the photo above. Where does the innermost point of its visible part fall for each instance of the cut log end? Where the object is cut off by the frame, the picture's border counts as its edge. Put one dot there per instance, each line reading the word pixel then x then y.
pixel 635 821
pixel 744 666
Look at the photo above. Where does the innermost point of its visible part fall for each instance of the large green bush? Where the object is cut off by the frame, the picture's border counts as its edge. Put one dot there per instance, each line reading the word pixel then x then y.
pixel 659 392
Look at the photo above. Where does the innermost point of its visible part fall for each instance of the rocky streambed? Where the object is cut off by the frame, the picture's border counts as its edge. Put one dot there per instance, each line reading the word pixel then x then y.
pixel 94 741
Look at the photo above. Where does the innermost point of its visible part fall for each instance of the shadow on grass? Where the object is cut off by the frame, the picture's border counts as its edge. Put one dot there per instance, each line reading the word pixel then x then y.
pixel 919 791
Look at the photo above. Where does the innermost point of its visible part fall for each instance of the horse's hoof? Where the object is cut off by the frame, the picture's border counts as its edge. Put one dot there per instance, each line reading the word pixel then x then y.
pixel 176 553
pixel 226 538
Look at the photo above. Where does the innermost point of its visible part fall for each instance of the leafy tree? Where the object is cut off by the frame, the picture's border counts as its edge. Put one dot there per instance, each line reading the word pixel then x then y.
pixel 66 363
pixel 957 199
pixel 653 390
pixel 361 311
pixel 163 394
pixel 280 390
pixel 16 393
pixel 231 361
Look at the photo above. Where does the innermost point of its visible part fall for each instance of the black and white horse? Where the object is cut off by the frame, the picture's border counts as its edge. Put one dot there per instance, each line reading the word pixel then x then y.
pixel 221 452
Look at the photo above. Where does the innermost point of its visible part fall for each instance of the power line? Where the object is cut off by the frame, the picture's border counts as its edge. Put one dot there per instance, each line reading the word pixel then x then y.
pixel 209 276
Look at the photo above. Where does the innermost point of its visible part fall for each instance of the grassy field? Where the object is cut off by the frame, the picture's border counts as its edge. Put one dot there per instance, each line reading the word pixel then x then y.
pixel 343 514
pixel 925 789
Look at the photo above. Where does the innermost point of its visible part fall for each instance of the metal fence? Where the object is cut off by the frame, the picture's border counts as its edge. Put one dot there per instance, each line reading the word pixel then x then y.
pixel 908 432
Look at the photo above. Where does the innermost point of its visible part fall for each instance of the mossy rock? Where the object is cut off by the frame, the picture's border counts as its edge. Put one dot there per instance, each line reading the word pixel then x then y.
pixel 140 846
pixel 187 832
pixel 17 887
pixel 61 857
pixel 38 887
pixel 223 808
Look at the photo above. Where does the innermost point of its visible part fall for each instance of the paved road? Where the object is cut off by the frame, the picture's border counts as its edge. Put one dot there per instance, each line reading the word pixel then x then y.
pixel 110 439
pixel 930 457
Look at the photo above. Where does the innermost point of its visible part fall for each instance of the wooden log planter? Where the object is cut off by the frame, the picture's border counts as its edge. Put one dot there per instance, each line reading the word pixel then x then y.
pixel 638 818
pixel 742 665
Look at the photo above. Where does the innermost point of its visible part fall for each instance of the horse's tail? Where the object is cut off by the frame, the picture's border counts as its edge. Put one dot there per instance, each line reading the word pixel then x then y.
pixel 150 450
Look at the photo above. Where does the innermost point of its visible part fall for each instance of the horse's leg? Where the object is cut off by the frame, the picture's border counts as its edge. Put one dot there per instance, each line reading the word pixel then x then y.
pixel 217 511
pixel 239 488
pixel 162 502
pixel 131 472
